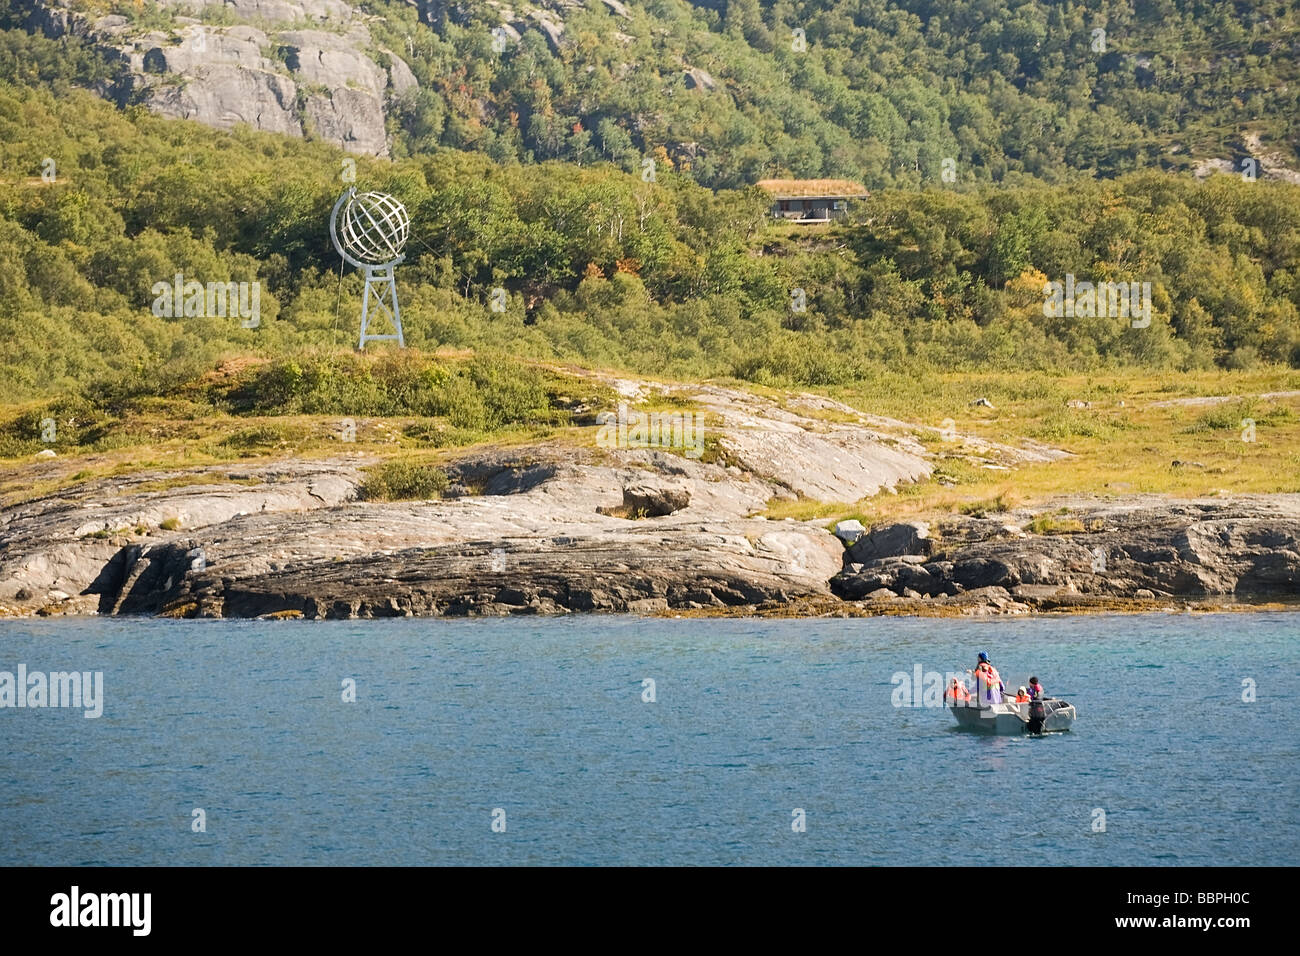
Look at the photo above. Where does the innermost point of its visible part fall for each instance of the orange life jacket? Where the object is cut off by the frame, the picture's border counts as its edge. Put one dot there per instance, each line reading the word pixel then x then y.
pixel 1022 698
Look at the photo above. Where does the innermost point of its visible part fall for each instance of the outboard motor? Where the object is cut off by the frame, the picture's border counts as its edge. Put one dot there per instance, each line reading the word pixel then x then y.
pixel 1037 714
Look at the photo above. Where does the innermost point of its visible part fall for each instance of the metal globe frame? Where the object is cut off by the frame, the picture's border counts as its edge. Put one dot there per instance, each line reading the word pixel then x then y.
pixel 379 275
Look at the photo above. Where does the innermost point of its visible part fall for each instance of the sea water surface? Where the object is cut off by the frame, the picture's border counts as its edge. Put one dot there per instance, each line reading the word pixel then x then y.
pixel 1185 750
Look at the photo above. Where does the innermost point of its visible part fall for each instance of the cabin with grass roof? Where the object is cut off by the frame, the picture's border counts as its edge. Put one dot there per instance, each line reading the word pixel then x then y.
pixel 811 200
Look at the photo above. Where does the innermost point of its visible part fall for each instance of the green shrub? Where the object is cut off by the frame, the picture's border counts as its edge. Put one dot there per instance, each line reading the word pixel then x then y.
pixel 1050 524
pixel 403 479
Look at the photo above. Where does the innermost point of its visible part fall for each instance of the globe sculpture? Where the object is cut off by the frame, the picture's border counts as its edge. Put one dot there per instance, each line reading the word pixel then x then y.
pixel 369 231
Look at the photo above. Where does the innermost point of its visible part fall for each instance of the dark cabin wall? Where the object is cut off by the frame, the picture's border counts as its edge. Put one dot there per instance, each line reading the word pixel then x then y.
pixel 819 207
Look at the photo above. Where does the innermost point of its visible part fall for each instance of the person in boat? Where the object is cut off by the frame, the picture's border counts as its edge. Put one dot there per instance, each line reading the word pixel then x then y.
pixel 956 693
pixel 1035 689
pixel 1022 696
pixel 988 684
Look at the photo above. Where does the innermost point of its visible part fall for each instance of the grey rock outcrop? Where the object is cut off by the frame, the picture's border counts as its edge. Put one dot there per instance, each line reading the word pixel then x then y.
pixel 547 529
pixel 545 532
pixel 291 67
pixel 697 79
pixel 1245 548
pixel 653 499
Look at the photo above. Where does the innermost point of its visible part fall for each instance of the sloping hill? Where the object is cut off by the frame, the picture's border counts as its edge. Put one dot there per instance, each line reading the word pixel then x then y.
pixel 888 92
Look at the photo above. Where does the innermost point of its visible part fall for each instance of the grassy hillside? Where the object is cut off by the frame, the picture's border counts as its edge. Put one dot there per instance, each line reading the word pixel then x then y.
pixel 1127 433
pixel 1189 434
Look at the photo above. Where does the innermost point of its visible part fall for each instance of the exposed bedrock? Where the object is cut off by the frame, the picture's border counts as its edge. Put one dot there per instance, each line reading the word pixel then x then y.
pixel 544 529
pixel 554 528
pixel 260 69
pixel 1246 547
pixel 539 530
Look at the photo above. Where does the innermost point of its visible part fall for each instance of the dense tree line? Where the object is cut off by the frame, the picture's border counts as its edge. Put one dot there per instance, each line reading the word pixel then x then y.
pixel 599 266
pixel 878 90
pixel 883 91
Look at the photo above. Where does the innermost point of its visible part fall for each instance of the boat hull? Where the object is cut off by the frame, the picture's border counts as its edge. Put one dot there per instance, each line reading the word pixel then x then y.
pixel 1011 718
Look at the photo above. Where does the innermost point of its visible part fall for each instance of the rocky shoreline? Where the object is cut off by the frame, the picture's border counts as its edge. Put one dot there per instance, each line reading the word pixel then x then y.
pixel 558 528
pixel 299 546
pixel 1136 552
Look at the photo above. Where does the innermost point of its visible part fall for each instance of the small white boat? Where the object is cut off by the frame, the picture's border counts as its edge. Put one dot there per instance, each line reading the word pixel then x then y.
pixel 1045 716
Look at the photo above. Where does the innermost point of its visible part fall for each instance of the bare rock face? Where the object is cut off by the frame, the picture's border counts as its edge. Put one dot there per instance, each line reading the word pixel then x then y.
pixel 267 72
pixel 229 96
pixel 697 79
pixel 400 78
pixel 603 572
pixel 543 533
pixel 548 529
pixel 83 545
pixel 347 117
pixel 804 455
pixel 552 28
pixel 1246 548
pixel 283 11
pixel 322 58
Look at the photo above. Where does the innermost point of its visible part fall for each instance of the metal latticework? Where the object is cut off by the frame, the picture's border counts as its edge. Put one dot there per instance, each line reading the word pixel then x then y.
pixel 381 290
pixel 375 227
pixel 374 230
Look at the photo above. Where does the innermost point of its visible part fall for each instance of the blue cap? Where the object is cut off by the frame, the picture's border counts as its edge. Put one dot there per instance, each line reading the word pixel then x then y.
pixel 983 656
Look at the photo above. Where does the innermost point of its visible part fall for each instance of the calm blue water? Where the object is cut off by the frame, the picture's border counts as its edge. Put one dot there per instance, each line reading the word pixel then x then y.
pixel 545 720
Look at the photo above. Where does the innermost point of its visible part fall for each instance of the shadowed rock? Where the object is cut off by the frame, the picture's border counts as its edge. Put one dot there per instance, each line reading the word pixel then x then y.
pixel 891 540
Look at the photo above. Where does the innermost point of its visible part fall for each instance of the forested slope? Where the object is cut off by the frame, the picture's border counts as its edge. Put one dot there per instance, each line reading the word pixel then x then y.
pixel 602 267
pixel 728 91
